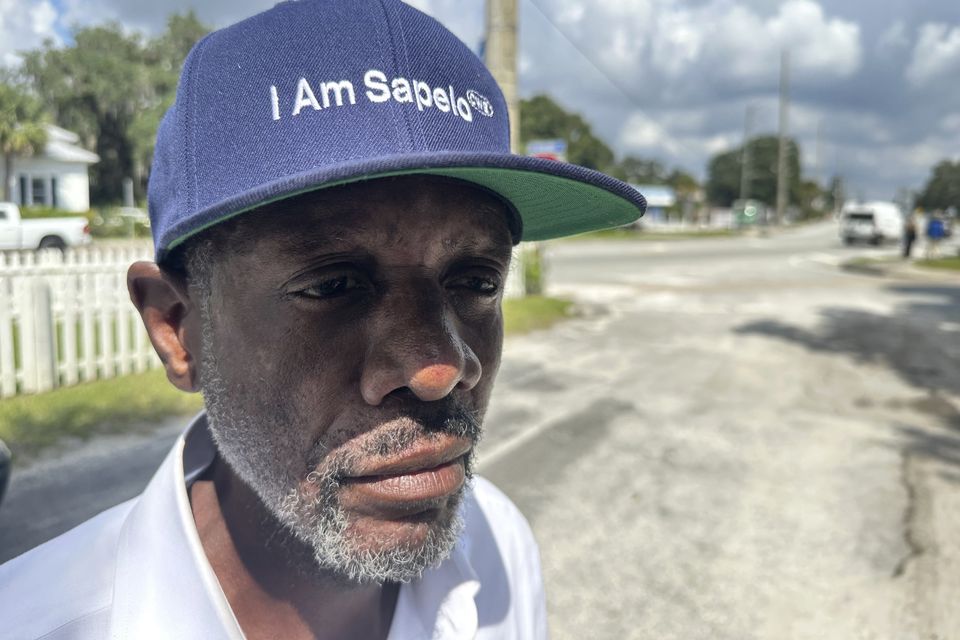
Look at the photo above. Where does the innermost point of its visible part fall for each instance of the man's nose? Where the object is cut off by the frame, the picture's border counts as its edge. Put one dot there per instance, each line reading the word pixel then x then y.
pixel 421 351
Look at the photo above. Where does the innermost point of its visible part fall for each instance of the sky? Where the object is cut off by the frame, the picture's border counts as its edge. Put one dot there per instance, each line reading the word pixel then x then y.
pixel 875 84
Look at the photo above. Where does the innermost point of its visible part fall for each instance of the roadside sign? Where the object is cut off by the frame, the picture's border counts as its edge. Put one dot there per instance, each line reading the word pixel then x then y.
pixel 549 149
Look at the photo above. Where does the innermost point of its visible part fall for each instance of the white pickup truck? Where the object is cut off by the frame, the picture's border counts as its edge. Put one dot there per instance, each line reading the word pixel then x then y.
pixel 41 233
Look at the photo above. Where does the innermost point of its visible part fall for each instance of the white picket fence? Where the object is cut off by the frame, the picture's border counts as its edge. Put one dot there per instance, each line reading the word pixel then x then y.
pixel 66 318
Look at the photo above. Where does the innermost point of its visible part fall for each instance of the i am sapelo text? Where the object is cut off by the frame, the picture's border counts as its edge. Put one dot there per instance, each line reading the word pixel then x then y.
pixel 379 89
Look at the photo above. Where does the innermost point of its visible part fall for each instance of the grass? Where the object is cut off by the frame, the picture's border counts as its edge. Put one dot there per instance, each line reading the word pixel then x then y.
pixel 864 261
pixel 29 424
pixel 624 233
pixel 877 264
pixel 34 213
pixel 523 315
pixel 949 264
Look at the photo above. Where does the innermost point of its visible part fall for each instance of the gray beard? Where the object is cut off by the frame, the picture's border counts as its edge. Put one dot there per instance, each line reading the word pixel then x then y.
pixel 259 449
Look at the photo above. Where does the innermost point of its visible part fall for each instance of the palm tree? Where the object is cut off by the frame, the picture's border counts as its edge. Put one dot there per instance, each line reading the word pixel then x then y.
pixel 22 129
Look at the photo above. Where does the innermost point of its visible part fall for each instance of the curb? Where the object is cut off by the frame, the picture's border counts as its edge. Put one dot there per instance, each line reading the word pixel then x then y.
pixel 898 270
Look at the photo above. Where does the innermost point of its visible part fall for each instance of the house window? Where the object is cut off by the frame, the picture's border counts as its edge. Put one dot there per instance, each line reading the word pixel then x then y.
pixel 23 191
pixel 38 187
pixel 53 192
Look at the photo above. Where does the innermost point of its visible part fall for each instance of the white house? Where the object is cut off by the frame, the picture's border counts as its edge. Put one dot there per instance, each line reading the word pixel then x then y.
pixel 58 177
pixel 659 199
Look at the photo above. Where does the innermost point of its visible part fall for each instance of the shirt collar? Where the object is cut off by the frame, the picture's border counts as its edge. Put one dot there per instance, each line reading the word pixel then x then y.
pixel 441 604
pixel 164 580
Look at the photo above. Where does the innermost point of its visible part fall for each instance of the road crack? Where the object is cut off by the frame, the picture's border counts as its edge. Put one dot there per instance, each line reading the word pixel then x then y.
pixel 915 547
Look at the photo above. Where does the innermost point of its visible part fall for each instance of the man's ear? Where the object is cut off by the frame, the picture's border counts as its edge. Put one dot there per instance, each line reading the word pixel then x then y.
pixel 171 321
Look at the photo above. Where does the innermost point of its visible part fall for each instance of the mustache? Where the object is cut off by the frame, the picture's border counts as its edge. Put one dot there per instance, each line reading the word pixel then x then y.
pixel 420 421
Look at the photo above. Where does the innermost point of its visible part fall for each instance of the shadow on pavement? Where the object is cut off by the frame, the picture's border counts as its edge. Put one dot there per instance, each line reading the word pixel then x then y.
pixel 918 342
pixel 909 342
pixel 943 447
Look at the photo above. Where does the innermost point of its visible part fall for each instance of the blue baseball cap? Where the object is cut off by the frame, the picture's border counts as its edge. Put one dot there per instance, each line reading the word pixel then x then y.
pixel 318 93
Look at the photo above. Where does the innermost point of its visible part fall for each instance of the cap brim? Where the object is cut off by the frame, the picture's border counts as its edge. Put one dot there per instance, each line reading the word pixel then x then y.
pixel 553 199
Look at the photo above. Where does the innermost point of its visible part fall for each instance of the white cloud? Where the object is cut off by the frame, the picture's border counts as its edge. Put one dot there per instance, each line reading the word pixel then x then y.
pixel 151 17
pixel 916 158
pixel 733 38
pixel 936 54
pixel 677 42
pixel 572 14
pixel 423 5
pixel 689 67
pixel 749 45
pixel 465 18
pixel 641 132
pixel 676 134
pixel 24 25
pixel 894 36
pixel 951 123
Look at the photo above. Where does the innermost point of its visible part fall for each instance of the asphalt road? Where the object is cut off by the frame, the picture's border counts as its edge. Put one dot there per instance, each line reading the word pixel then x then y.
pixel 741 441
pixel 734 439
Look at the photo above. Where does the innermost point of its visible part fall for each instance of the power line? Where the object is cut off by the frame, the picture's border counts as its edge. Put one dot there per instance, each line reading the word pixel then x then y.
pixel 783 178
pixel 616 83
pixel 633 99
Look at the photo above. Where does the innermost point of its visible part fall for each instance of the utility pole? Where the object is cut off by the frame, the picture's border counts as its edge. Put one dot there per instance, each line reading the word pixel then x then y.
pixel 783 177
pixel 745 159
pixel 820 176
pixel 501 58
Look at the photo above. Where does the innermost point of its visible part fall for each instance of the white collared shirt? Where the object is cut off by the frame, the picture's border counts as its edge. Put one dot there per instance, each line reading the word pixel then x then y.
pixel 138 571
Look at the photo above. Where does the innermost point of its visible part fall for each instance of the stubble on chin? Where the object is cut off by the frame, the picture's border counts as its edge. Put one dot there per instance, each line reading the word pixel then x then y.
pixel 313 515
pixel 258 439
pixel 304 501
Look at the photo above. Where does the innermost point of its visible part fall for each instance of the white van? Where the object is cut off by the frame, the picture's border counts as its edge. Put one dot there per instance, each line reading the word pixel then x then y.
pixel 873 222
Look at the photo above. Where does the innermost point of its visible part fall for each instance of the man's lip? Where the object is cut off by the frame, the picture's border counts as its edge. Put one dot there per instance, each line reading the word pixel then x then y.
pixel 423 456
pixel 418 479
pixel 405 493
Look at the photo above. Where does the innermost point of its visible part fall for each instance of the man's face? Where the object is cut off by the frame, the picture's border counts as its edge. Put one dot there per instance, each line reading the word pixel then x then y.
pixel 351 340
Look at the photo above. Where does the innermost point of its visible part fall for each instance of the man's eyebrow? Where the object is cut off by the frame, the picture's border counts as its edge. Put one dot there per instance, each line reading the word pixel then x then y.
pixel 336 238
pixel 478 247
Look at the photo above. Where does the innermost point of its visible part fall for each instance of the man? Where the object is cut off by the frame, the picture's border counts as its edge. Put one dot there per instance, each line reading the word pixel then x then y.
pixel 936 231
pixel 334 207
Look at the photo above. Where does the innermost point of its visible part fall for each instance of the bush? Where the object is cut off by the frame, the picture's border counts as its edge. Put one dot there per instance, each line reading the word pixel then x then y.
pixel 107 222
pixel 32 213
pixel 533 271
pixel 101 230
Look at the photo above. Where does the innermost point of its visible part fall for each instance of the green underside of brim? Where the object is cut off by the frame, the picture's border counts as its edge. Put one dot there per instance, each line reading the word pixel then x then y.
pixel 550 206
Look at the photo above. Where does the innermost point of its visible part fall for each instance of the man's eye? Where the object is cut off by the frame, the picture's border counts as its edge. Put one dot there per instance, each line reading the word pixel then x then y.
pixel 332 288
pixel 478 284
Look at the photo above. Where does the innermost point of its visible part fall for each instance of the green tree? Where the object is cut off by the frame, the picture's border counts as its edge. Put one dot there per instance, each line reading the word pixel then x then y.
pixel 684 184
pixel 724 171
pixel 164 57
pixel 836 194
pixel 22 128
pixel 723 178
pixel 943 187
pixel 811 199
pixel 112 87
pixel 96 87
pixel 641 171
pixel 542 118
pixel 687 189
